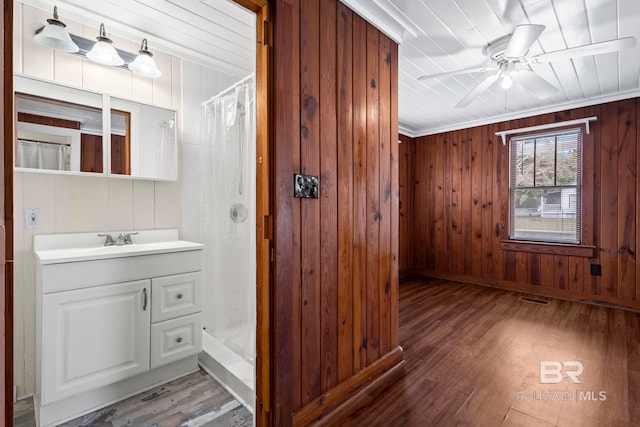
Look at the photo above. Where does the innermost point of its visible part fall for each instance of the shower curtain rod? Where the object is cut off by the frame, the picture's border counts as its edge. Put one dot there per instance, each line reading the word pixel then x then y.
pixel 230 88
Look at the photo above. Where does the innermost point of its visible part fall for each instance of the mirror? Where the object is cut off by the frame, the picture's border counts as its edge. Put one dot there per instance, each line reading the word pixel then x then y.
pixel 143 140
pixel 58 128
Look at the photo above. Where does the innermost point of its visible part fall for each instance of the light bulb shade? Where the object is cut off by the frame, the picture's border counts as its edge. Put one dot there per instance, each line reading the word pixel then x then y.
pixel 507 82
pixel 103 53
pixel 145 65
pixel 55 36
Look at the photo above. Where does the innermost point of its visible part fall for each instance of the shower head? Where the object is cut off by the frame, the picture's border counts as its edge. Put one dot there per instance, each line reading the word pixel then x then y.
pixel 240 107
pixel 168 124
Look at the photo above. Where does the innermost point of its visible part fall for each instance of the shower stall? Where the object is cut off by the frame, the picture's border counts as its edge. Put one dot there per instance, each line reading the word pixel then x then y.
pixel 229 226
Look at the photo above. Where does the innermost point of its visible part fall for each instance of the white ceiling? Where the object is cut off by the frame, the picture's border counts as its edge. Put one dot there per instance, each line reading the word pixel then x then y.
pixel 446 35
pixel 436 36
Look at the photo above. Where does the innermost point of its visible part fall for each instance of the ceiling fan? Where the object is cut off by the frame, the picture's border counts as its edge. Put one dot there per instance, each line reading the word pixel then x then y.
pixel 510 64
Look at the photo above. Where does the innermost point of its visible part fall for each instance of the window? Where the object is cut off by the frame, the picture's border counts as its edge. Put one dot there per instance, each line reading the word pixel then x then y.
pixel 545 184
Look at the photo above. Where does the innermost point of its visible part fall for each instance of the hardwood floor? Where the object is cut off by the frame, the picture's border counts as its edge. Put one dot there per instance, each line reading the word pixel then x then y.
pixel 195 400
pixel 473 359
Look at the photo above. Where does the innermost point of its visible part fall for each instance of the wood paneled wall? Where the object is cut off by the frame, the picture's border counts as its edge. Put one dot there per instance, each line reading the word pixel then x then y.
pixel 461 214
pixel 336 264
pixel 406 179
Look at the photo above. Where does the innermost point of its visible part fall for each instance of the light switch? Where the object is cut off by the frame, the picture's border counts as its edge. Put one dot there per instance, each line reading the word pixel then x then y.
pixel 32 218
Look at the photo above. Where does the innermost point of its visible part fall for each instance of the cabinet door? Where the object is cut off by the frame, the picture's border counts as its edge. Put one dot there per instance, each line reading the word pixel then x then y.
pixel 93 337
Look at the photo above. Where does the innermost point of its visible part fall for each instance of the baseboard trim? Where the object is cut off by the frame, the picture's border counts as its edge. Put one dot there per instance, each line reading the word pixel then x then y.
pixel 346 398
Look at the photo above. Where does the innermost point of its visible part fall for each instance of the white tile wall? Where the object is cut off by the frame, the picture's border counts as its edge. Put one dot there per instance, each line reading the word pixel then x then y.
pixel 71 204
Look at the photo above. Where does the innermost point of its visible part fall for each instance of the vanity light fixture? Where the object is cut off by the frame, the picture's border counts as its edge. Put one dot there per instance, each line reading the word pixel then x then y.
pixel 55 36
pixel 144 63
pixel 103 52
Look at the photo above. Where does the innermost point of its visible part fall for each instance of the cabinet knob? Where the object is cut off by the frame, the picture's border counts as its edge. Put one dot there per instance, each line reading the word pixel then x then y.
pixel 179 296
pixel 179 339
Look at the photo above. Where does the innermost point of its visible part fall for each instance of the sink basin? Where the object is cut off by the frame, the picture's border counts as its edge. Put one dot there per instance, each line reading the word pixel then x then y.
pixel 87 247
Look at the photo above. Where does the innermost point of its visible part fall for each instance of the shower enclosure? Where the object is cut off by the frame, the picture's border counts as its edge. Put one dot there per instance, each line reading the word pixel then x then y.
pixel 229 225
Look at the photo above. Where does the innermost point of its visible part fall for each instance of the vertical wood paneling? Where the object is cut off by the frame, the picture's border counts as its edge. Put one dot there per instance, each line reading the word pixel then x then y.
pixel 456 251
pixel 287 313
pixel 476 202
pixel 373 195
pixel 345 192
pixel 487 204
pixel 384 219
pixel 394 311
pixel 406 184
pixel 328 196
pixel 469 209
pixel 360 84
pixel 310 214
pixel 609 199
pixel 336 269
pixel 627 180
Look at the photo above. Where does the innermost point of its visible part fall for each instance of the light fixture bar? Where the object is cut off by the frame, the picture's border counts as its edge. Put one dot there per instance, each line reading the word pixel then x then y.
pixel 85 46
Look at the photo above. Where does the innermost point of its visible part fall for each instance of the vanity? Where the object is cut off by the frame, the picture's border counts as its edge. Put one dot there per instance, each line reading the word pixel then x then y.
pixel 112 321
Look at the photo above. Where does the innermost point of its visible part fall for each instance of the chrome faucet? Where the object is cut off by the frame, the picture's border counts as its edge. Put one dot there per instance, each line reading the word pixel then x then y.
pixel 125 239
pixel 108 239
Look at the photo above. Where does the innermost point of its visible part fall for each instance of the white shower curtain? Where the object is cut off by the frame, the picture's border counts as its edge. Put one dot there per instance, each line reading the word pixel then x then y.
pixel 42 155
pixel 228 212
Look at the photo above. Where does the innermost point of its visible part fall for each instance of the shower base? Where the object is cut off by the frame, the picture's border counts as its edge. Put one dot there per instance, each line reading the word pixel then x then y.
pixel 233 372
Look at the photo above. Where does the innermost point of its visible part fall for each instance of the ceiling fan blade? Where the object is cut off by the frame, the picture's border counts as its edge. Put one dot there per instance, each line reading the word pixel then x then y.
pixel 456 72
pixel 589 49
pixel 522 39
pixel 478 90
pixel 534 84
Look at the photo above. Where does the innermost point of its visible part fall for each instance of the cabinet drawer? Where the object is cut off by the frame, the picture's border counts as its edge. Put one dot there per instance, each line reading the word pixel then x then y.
pixel 175 339
pixel 175 296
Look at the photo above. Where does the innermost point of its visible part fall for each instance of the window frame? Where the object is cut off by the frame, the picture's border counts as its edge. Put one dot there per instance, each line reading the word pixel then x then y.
pixel 585 247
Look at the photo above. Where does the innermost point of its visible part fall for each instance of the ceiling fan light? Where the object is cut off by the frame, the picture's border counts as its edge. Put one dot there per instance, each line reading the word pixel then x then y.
pixel 55 36
pixel 506 82
pixel 144 63
pixel 103 52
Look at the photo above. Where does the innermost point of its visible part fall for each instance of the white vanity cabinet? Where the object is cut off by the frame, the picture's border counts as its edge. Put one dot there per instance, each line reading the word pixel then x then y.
pixel 113 321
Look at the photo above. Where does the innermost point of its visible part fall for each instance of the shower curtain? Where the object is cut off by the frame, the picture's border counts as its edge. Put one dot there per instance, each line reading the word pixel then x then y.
pixel 228 212
pixel 42 155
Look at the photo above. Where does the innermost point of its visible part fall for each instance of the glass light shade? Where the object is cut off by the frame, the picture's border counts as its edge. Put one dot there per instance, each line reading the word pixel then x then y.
pixel 145 65
pixel 55 36
pixel 507 81
pixel 103 53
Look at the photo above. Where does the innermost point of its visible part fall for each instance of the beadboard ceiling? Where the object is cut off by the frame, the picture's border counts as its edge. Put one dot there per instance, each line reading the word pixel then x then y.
pixel 436 36
pixel 217 34
pixel 446 35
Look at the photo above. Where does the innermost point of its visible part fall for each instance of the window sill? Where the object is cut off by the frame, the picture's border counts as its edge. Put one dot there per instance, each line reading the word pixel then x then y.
pixel 549 248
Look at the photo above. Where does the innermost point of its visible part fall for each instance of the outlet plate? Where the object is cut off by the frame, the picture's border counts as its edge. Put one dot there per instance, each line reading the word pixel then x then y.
pixel 32 218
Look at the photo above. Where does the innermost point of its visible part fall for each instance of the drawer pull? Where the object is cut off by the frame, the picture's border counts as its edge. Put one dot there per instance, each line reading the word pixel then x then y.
pixel 179 296
pixel 144 299
pixel 179 339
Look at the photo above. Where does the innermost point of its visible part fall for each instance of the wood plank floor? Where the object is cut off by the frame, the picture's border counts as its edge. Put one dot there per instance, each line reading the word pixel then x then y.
pixel 192 401
pixel 473 359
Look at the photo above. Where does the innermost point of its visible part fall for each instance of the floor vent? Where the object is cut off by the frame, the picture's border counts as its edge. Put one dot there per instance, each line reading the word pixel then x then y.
pixel 534 300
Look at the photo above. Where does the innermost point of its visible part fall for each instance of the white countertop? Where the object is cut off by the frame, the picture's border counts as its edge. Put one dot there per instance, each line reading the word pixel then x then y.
pixel 62 248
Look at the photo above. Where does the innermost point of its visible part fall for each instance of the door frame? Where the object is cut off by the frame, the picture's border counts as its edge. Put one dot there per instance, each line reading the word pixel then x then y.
pixel 264 216
pixel 264 213
pixel 6 216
